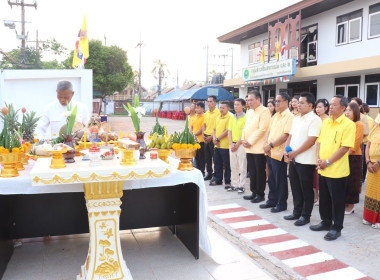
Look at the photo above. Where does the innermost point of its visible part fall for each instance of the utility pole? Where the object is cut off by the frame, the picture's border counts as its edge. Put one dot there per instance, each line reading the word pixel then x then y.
pixel 105 40
pixel 22 37
pixel 37 43
pixel 139 45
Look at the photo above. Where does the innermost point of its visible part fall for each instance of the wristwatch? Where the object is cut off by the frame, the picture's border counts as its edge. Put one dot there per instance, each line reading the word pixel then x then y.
pixel 217 139
pixel 271 144
pixel 328 163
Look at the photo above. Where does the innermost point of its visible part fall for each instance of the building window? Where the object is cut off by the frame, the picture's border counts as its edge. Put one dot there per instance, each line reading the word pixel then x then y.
pixel 372 88
pixel 374 21
pixel 347 86
pixel 309 44
pixel 254 53
pixel 349 28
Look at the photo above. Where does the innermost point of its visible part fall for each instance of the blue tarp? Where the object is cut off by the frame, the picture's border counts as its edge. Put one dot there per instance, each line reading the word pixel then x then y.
pixel 196 93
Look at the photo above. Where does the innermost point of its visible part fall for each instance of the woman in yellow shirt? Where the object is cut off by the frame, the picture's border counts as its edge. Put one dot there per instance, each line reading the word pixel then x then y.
pixel 353 184
pixel 321 110
pixel 371 214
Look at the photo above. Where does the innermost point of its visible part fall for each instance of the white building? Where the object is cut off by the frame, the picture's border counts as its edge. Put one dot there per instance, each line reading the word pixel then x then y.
pixel 336 50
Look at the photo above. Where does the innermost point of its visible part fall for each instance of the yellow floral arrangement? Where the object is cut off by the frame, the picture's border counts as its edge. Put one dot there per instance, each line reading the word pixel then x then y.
pixel 177 146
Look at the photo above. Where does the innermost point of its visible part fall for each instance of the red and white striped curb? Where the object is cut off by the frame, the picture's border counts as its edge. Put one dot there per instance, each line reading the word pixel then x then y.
pixel 305 259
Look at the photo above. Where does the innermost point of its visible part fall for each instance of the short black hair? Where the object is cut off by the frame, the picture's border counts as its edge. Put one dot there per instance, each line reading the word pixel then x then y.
pixel 241 100
pixel 201 104
pixel 212 96
pixel 284 95
pixel 256 93
pixel 365 107
pixel 227 103
pixel 325 103
pixel 343 100
pixel 309 97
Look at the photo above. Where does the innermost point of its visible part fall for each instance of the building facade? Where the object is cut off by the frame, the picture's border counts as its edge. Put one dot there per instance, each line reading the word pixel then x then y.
pixel 333 44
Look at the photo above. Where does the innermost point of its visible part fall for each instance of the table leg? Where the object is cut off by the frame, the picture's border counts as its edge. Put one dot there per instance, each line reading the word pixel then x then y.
pixel 105 259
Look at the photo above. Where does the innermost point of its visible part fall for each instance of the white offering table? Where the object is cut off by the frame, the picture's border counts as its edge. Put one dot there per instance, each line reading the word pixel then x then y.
pixel 103 189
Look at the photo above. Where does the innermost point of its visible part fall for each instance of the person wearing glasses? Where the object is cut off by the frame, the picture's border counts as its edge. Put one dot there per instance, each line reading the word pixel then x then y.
pixel 253 136
pixel 274 147
pixel 336 138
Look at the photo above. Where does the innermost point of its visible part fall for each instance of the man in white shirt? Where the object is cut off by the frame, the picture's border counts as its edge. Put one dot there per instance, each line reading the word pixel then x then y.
pixel 54 113
pixel 302 156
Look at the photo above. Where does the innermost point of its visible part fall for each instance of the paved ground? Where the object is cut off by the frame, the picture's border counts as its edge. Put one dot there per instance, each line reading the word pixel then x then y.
pixel 358 247
pixel 150 254
pixel 282 249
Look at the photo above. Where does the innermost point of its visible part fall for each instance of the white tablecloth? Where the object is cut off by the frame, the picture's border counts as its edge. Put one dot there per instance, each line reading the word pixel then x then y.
pixel 23 185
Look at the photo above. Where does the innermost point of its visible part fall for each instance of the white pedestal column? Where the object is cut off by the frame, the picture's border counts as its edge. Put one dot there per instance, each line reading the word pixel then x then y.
pixel 105 259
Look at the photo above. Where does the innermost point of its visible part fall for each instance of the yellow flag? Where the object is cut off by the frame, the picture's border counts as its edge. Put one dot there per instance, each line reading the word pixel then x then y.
pixel 277 50
pixel 81 51
pixel 262 58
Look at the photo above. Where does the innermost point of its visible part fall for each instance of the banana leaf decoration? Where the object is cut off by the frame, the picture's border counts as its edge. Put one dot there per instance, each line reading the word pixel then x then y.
pixel 71 121
pixel 134 117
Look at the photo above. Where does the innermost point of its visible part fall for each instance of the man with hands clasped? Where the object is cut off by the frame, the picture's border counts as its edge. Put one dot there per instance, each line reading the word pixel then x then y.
pixel 300 152
pixel 336 138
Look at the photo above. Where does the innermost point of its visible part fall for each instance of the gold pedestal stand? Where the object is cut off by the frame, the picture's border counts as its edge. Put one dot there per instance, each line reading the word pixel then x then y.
pixel 57 161
pixel 127 157
pixel 9 164
pixel 104 259
pixel 185 156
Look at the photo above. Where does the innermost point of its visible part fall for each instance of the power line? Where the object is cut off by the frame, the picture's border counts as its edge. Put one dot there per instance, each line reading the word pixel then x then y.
pixel 23 37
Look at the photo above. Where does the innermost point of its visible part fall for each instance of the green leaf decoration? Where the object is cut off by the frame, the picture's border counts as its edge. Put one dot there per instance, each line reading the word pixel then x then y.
pixel 70 123
pixel 134 117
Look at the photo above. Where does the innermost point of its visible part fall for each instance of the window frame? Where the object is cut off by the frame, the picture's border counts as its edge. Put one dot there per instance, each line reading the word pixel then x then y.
pixel 352 85
pixel 378 93
pixel 316 51
pixel 369 25
pixel 340 86
pixel 360 29
pixel 337 32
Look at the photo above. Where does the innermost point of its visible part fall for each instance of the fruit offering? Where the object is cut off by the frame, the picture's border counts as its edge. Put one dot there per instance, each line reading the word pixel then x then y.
pixel 161 142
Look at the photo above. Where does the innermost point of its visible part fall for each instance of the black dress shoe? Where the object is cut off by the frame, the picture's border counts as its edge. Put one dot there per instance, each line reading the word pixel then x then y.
pixel 332 235
pixel 292 217
pixel 302 221
pixel 257 199
pixel 277 209
pixel 321 226
pixel 207 177
pixel 266 206
pixel 249 197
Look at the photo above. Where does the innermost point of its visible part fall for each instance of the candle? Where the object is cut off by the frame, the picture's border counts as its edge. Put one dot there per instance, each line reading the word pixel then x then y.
pixel 109 128
pixel 121 134
pixel 84 137
pixel 165 131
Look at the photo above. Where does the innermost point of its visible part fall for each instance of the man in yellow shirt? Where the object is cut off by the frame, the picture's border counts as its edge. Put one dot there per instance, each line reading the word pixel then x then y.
pixel 197 129
pixel 209 124
pixel 253 136
pixel 336 138
pixel 221 149
pixel 274 147
pixel 238 159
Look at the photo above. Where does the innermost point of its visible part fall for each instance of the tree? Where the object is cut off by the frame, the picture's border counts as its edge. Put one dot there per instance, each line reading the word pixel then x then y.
pixel 159 72
pixel 110 68
pixel 34 57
